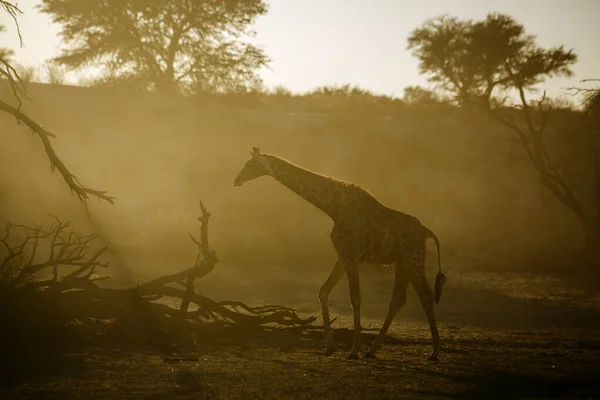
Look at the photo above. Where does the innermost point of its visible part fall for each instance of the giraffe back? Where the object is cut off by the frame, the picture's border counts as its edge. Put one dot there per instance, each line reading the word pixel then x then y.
pixel 368 231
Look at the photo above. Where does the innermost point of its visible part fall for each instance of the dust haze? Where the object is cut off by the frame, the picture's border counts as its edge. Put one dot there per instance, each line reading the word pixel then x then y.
pixel 191 286
pixel 159 155
pixel 454 170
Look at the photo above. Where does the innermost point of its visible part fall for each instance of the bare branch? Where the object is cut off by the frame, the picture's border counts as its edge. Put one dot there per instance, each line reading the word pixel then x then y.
pixel 20 92
pixel 17 85
pixel 578 90
pixel 14 12
pixel 76 296
pixel 81 191
pixel 591 96
pixel 531 140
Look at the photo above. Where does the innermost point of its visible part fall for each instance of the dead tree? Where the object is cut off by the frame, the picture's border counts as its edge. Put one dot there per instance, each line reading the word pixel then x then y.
pixel 49 282
pixel 530 131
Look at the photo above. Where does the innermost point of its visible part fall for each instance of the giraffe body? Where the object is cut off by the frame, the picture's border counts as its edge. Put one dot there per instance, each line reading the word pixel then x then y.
pixel 364 231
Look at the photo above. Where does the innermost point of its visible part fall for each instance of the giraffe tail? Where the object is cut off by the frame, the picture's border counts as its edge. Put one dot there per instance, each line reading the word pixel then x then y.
pixel 440 278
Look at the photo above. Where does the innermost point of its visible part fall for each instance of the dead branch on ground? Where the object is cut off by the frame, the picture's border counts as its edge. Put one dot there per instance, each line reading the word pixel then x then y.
pixel 64 250
pixel 53 267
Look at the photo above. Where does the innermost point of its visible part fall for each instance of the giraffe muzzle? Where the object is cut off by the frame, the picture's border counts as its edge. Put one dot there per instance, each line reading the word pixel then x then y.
pixel 237 182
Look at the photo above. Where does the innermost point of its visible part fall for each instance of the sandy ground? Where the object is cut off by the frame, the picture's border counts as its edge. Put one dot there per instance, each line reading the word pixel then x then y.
pixel 506 335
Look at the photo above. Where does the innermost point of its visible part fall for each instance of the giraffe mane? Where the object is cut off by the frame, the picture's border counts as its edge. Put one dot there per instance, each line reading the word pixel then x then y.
pixel 332 179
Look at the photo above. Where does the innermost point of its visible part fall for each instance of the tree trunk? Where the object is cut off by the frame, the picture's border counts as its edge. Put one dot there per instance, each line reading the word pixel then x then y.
pixel 165 82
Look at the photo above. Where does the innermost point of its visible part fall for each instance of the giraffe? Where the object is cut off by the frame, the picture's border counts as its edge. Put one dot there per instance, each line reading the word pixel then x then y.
pixel 364 230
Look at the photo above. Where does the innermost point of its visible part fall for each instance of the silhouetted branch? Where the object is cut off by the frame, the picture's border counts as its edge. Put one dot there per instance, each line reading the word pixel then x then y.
pixel 62 247
pixel 19 91
pixel 578 90
pixel 52 265
pixel 531 140
pixel 17 85
pixel 591 96
pixel 56 163
pixel 7 71
pixel 14 12
pixel 225 313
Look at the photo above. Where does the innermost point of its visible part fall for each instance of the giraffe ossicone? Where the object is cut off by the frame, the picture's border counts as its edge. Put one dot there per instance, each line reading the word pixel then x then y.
pixel 364 231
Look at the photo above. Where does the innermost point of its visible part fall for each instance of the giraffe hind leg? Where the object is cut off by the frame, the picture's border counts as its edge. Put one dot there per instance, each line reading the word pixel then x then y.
pixel 354 286
pixel 398 299
pixel 427 301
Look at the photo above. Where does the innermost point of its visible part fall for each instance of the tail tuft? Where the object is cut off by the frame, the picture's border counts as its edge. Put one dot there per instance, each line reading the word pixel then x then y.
pixel 440 279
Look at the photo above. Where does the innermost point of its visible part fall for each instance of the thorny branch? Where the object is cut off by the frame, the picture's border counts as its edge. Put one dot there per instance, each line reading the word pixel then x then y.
pixel 19 91
pixel 62 249
pixel 591 96
pixel 13 11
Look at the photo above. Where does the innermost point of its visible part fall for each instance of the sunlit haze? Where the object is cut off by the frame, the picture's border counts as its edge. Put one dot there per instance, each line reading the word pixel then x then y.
pixel 173 230
pixel 314 42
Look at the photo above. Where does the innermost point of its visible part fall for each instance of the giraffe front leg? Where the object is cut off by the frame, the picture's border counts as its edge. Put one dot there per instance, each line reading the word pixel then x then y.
pixel 354 285
pixel 398 299
pixel 332 280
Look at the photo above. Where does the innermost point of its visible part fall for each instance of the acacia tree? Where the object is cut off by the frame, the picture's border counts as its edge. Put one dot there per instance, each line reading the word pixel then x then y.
pixel 478 62
pixel 473 59
pixel 165 45
pixel 9 75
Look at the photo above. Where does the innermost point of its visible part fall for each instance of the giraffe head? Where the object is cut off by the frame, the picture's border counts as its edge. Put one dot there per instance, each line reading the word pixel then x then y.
pixel 252 169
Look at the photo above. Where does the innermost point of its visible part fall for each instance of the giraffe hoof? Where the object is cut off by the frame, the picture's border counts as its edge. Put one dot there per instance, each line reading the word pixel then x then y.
pixel 370 355
pixel 329 352
pixel 433 358
pixel 352 356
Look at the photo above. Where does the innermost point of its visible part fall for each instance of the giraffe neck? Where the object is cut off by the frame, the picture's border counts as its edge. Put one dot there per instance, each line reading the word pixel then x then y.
pixel 325 193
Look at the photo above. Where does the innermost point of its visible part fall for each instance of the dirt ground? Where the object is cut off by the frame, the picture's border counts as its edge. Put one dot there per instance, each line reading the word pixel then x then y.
pixel 506 335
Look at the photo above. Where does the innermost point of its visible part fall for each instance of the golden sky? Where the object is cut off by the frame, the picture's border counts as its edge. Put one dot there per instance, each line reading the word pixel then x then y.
pixel 318 42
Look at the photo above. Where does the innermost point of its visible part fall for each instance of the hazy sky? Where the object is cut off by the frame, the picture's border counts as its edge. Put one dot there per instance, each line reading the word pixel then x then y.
pixel 318 42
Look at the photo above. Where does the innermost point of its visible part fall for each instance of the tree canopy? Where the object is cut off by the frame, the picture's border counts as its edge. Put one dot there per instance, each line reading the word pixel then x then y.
pixel 186 45
pixel 478 61
pixel 471 59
